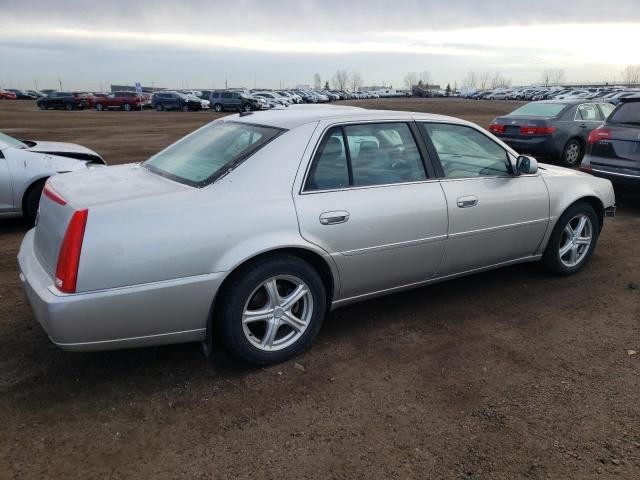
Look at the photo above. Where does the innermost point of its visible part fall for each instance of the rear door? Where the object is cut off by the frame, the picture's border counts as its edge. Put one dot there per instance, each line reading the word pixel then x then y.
pixel 494 216
pixel 588 117
pixel 368 201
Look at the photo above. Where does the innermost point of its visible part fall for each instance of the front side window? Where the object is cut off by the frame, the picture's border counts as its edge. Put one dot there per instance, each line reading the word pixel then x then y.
pixel 606 109
pixel 375 154
pixel 464 152
pixel 208 153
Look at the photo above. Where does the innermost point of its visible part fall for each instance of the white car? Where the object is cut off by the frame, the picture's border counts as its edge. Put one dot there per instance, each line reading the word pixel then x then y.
pixel 25 165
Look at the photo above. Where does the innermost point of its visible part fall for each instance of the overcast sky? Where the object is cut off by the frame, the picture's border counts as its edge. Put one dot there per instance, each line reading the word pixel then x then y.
pixel 199 44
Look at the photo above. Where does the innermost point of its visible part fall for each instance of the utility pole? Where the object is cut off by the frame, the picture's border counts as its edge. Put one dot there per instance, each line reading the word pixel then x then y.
pixel 226 84
pixel 60 84
pixel 35 81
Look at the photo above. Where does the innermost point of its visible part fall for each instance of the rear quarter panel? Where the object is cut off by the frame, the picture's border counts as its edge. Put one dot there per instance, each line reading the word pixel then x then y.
pixel 198 231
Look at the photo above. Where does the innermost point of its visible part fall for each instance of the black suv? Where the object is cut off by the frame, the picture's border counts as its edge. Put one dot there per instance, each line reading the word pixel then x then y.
pixel 613 150
pixel 174 101
pixel 67 100
pixel 222 100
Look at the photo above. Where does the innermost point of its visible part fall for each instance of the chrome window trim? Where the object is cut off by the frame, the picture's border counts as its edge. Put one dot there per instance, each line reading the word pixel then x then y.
pixel 615 173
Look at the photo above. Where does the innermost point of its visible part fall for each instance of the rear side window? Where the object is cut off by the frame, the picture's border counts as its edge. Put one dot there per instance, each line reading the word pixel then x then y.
pixel 205 155
pixel 539 109
pixel 588 112
pixel 366 154
pixel 626 113
pixel 464 152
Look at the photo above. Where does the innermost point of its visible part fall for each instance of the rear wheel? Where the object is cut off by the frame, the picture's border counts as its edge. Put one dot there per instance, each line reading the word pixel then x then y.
pixel 42 106
pixel 218 107
pixel 159 107
pixel 573 240
pixel 99 107
pixel 32 201
pixel 246 107
pixel 127 107
pixel 71 106
pixel 185 108
pixel 572 153
pixel 271 310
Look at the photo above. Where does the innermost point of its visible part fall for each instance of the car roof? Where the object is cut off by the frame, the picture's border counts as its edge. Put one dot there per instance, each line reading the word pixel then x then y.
pixel 633 98
pixel 297 115
pixel 568 101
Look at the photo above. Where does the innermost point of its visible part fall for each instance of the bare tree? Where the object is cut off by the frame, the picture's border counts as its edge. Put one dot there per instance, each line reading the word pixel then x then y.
pixel 317 81
pixel 410 79
pixel 497 80
pixel 552 76
pixel 340 80
pixel 471 80
pixel 631 75
pixel 483 80
pixel 425 78
pixel 356 81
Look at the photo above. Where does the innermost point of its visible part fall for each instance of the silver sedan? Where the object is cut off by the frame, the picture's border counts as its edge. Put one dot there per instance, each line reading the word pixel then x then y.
pixel 254 227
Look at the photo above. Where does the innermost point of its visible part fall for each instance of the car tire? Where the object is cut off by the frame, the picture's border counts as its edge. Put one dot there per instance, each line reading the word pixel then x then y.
pixel 218 107
pixel 32 201
pixel 99 107
pixel 185 108
pixel 127 107
pixel 558 256
pixel 246 107
pixel 70 106
pixel 42 106
pixel 159 107
pixel 572 153
pixel 272 339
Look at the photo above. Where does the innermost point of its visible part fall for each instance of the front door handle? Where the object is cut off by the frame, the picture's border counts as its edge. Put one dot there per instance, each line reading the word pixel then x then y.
pixel 334 218
pixel 466 202
pixel 582 125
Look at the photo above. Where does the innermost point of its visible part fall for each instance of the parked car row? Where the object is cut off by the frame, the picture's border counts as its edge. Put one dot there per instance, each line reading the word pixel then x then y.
pixel 610 94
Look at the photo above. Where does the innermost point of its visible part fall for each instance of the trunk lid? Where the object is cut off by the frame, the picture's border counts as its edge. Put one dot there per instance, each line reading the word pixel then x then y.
pixel 90 189
pixel 519 127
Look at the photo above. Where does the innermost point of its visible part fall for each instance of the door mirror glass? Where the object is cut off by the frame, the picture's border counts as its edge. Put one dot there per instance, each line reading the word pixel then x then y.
pixel 526 165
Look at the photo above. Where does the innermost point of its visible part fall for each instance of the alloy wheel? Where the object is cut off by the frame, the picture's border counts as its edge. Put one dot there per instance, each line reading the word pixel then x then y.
pixel 572 153
pixel 277 313
pixel 576 240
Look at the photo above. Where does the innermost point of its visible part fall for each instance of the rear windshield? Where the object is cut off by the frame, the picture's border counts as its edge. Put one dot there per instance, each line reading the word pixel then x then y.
pixel 205 155
pixel 626 113
pixel 536 109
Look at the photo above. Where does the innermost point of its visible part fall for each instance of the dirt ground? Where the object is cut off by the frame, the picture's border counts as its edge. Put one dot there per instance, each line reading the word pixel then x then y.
pixel 506 374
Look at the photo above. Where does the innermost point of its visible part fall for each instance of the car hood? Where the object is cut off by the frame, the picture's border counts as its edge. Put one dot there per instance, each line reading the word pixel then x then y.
pixel 547 170
pixel 62 149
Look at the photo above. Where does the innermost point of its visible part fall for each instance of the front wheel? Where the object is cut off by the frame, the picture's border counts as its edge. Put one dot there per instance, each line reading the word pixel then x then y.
pixel 127 107
pixel 573 240
pixel 185 108
pixel 218 107
pixel 32 201
pixel 159 107
pixel 99 107
pixel 572 153
pixel 246 107
pixel 271 310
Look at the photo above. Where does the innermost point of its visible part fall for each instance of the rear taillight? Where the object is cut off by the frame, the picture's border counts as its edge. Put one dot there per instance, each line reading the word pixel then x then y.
pixel 496 128
pixel 599 134
pixel 586 169
pixel 537 130
pixel 69 256
pixel 50 193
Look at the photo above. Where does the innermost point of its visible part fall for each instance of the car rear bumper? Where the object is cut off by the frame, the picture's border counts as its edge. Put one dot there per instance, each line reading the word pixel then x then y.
pixel 622 180
pixel 173 311
pixel 537 146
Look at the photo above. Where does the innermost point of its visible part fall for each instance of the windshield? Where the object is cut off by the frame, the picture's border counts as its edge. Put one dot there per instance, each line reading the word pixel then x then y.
pixel 205 155
pixel 538 110
pixel 626 113
pixel 12 142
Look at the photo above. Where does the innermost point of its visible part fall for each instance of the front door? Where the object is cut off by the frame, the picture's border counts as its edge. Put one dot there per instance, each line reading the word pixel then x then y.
pixel 6 187
pixel 494 216
pixel 368 202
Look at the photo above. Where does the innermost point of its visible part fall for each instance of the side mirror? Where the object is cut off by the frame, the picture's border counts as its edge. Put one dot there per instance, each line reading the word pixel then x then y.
pixel 526 165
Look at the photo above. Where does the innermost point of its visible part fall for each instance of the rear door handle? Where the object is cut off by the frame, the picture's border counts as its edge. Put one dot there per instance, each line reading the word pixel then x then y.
pixel 582 125
pixel 334 218
pixel 466 202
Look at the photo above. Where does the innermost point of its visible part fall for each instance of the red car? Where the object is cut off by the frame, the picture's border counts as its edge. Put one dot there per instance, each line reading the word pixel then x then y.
pixel 4 95
pixel 118 100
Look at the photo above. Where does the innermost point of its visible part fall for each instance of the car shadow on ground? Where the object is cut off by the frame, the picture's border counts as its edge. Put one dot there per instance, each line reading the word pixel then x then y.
pixel 58 374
